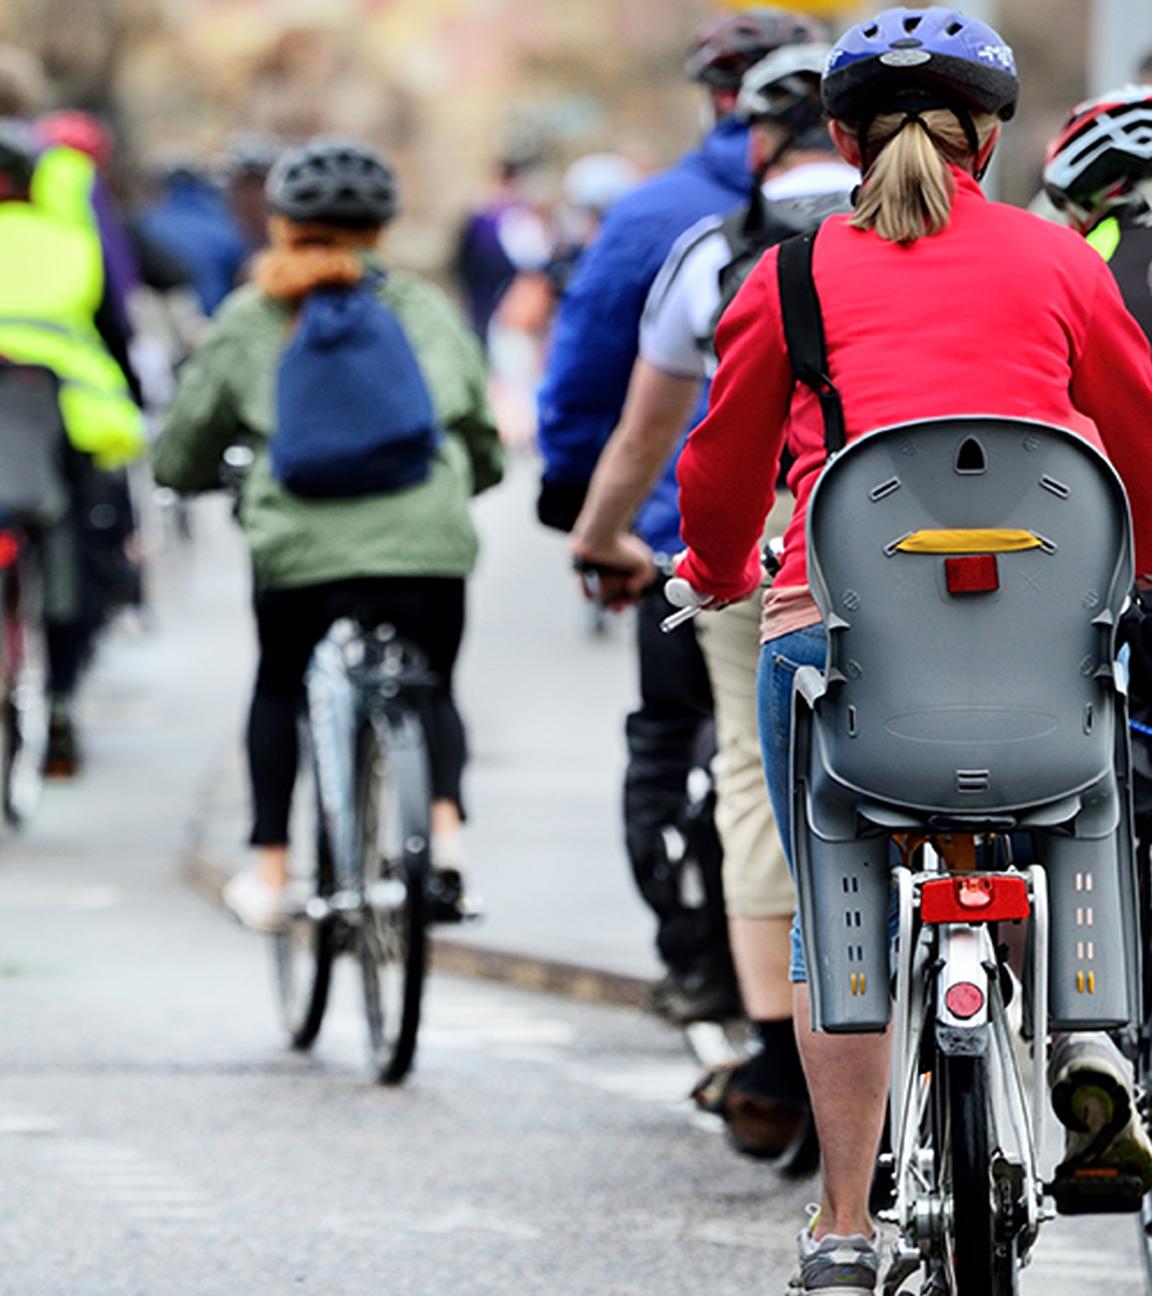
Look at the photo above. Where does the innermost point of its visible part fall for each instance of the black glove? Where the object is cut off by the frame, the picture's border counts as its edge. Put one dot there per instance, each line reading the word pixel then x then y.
pixel 559 503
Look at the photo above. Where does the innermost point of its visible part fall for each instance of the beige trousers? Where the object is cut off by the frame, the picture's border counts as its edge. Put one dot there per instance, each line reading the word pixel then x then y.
pixel 757 883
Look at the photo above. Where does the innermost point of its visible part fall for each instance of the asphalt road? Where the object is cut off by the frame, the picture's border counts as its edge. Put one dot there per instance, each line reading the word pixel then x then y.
pixel 156 1138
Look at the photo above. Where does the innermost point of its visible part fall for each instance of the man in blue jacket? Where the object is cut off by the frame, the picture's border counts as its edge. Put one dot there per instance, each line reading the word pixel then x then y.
pixel 593 348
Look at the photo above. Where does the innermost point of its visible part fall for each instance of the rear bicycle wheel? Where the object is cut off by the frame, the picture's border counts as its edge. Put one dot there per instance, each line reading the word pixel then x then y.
pixel 392 802
pixel 10 737
pixel 23 693
pixel 304 951
pixel 981 1262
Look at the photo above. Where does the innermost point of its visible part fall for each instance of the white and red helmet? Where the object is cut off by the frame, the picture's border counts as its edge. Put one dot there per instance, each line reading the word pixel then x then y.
pixel 1104 148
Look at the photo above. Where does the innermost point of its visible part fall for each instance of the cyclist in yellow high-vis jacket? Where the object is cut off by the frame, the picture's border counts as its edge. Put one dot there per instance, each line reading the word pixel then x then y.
pixel 51 287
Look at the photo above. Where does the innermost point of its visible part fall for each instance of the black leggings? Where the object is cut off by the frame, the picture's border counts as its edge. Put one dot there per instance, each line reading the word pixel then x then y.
pixel 427 611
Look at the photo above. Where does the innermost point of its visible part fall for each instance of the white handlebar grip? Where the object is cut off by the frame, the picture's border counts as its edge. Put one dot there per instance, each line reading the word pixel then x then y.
pixel 680 594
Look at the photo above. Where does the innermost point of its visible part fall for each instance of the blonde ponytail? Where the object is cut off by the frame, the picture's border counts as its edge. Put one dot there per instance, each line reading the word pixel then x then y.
pixel 908 189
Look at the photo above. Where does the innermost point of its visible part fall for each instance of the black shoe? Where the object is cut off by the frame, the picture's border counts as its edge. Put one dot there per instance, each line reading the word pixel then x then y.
pixel 446 899
pixel 62 754
pixel 758 1124
pixel 685 997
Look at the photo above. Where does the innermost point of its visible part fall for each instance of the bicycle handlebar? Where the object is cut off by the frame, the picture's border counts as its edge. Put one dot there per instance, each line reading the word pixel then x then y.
pixel 690 602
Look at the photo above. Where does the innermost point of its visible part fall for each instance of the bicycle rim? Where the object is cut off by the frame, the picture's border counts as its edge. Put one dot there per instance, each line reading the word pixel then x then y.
pixel 304 951
pixel 978 1264
pixel 392 805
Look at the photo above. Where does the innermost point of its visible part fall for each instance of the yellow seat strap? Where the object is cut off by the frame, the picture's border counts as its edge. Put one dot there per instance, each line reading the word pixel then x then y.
pixel 975 540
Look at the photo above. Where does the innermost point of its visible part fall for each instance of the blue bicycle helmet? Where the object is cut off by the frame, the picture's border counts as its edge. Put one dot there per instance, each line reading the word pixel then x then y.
pixel 936 57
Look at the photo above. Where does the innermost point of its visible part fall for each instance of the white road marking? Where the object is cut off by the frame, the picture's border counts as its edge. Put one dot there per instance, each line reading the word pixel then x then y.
pixel 665 1083
pixel 123 1179
pixel 461 1217
pixel 33 895
pixel 26 1125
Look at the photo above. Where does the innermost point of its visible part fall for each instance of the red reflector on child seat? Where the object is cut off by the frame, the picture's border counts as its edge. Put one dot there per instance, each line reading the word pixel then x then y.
pixel 976 897
pixel 976 574
pixel 9 548
pixel 964 999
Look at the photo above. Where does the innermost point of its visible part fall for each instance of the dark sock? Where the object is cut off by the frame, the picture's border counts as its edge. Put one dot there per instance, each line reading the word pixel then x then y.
pixel 775 1070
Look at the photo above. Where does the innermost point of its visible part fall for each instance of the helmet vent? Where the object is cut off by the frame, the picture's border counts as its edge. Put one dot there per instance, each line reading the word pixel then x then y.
pixel 970 458
pixel 910 24
pixel 954 28
pixel 872 32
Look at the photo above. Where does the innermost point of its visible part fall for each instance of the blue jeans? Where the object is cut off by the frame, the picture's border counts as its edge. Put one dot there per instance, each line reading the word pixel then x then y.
pixel 779 660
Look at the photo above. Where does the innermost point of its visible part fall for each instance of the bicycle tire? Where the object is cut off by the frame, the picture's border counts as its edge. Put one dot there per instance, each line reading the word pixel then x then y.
pixel 304 952
pixel 23 689
pixel 1144 1056
pixel 980 1264
pixel 10 743
pixel 392 806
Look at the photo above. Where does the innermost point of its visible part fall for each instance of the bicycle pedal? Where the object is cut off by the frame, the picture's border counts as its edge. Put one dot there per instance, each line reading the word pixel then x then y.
pixel 1096 1191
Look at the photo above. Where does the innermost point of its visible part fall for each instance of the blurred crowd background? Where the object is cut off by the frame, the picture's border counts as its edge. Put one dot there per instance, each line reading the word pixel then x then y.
pixel 450 88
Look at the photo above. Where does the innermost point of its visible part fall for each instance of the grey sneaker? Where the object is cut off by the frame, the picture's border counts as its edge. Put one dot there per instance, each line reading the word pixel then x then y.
pixel 1092 1097
pixel 843 1266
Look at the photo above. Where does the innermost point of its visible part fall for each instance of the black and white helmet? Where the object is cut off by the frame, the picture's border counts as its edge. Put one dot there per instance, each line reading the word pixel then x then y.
pixel 785 88
pixel 1103 148
pixel 333 181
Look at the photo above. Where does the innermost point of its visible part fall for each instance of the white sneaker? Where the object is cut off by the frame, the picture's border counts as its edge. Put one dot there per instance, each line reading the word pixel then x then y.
pixel 838 1266
pixel 260 907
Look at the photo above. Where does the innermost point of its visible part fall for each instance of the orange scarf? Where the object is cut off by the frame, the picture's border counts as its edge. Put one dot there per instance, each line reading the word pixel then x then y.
pixel 306 256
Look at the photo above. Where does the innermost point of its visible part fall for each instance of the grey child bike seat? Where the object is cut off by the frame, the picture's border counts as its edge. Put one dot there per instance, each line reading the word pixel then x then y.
pixel 970 572
pixel 997 699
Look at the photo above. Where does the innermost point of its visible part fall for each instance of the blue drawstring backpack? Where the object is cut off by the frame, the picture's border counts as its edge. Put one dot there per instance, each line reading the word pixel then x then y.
pixel 353 412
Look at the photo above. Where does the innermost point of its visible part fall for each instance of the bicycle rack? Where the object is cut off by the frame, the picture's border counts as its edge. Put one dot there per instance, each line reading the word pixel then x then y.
pixel 919 1212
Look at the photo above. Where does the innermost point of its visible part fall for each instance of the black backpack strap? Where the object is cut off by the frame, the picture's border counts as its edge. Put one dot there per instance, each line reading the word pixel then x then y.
pixel 804 334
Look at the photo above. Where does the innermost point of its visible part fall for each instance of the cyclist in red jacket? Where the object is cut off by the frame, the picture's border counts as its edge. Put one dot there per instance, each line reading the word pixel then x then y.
pixel 936 302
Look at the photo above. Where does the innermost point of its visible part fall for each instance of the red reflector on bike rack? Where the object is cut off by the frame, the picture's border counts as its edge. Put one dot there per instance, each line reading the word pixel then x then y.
pixel 975 897
pixel 9 548
pixel 964 999
pixel 975 574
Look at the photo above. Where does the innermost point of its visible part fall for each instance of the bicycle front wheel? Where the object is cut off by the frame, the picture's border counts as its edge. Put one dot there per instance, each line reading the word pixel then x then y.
pixel 1144 1058
pixel 392 814
pixel 981 1263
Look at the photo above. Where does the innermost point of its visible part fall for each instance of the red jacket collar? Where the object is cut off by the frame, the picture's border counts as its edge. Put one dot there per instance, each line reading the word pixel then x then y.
pixel 966 182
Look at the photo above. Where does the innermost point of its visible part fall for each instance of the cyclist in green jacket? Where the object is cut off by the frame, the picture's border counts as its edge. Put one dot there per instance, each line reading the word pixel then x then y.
pixel 399 557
